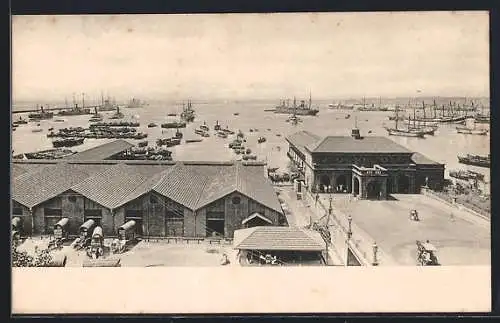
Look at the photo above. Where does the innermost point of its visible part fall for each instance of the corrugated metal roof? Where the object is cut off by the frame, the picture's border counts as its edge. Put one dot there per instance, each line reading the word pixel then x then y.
pixel 193 185
pixel 185 184
pixel 346 144
pixel 420 159
pixel 17 170
pixel 101 152
pixel 278 238
pixel 303 138
pixel 33 188
pixel 110 187
pixel 247 180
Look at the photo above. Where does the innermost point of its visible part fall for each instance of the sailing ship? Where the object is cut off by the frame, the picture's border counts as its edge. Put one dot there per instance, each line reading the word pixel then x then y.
pixel 472 131
pixel 187 114
pixel 302 109
pixel 451 117
pixel 475 160
pixel 426 129
pixel 373 107
pixel 482 117
pixel 396 131
pixel 204 127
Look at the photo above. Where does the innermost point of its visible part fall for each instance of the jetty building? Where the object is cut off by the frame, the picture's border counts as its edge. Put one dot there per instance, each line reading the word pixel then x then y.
pixel 369 167
pixel 175 199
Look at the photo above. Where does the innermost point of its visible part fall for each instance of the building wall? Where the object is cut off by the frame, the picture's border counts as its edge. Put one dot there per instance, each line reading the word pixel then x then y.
pixel 25 216
pixel 435 175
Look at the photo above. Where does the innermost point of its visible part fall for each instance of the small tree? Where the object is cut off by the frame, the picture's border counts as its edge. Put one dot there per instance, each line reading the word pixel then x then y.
pixel 42 258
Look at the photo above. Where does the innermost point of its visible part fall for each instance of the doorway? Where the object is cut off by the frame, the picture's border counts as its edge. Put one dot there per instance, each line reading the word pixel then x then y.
pixel 355 189
pixel 215 227
pixel 324 183
pixel 373 190
pixel 403 184
pixel 341 184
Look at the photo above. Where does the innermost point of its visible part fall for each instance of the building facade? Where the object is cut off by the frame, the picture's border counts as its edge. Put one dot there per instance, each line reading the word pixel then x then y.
pixel 368 167
pixel 171 200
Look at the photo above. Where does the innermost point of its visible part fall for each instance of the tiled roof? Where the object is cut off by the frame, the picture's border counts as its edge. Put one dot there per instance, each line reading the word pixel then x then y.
pixel 17 170
pixel 301 139
pixel 278 238
pixel 101 152
pixel 346 144
pixel 109 187
pixel 35 187
pixel 186 184
pixel 420 159
pixel 113 184
pixel 247 180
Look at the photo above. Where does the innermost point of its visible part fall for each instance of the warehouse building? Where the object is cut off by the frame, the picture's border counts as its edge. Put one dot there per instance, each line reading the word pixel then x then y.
pixel 182 199
pixel 368 167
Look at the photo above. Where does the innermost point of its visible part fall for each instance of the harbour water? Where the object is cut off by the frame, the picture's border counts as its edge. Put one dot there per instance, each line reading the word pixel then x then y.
pixel 443 147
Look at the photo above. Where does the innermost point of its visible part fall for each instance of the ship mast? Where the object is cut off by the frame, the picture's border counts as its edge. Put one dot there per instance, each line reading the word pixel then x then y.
pixel 310 100
pixel 83 100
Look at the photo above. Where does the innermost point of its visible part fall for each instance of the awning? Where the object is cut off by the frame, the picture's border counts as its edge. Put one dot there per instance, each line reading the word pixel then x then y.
pixel 429 247
pixel 16 222
pixel 128 225
pixel 97 232
pixel 256 215
pixel 62 223
pixel 87 225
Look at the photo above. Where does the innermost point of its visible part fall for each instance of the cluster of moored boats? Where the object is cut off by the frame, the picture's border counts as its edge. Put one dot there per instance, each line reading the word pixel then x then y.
pixel 146 153
pixel 101 130
pixel 57 153
pixel 466 175
pixel 475 160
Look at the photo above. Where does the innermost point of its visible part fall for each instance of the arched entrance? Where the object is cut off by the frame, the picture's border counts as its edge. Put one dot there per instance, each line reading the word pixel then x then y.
pixel 341 183
pixel 373 190
pixel 403 184
pixel 324 182
pixel 389 185
pixel 355 188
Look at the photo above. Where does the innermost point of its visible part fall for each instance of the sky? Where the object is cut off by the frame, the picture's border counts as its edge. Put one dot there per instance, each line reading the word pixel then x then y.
pixel 245 56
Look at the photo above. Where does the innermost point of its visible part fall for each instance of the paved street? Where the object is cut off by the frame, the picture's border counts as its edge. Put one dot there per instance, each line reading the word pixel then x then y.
pixel 461 238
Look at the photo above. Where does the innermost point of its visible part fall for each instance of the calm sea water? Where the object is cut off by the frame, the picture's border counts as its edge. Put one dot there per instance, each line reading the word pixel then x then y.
pixel 443 147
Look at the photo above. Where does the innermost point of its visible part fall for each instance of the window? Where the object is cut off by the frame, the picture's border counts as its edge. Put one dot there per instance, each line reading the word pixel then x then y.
pixel 16 210
pixel 52 212
pixel 131 214
pixel 95 213
pixel 236 200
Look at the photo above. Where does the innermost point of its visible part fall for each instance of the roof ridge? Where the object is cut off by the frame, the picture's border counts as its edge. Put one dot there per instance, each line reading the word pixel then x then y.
pixel 318 143
pixel 205 184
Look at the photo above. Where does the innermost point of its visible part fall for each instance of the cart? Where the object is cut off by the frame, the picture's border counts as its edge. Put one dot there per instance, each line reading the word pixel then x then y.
pixel 426 254
pixel 96 248
pixel 84 235
pixel 60 234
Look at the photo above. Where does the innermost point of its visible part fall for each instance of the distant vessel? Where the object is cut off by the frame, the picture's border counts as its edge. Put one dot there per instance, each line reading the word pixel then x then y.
pixel 135 104
pixel 403 132
pixel 475 160
pixel 373 107
pixel 482 117
pixel 204 127
pixel 173 124
pixel 76 110
pixel 302 109
pixel 188 114
pixel 107 104
pixel 42 115
pixel 472 131
pixel 152 125
pixel 117 114
pixel 466 175
pixel 20 121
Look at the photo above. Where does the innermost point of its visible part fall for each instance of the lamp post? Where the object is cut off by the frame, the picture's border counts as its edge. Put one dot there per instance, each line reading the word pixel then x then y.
pixel 328 222
pixel 349 231
pixel 375 250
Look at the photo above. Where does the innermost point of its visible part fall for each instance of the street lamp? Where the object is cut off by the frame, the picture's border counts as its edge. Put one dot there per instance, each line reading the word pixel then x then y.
pixel 349 231
pixel 330 199
pixel 375 250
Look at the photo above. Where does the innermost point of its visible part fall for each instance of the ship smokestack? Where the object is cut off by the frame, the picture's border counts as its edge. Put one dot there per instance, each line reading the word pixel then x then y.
pixel 355 131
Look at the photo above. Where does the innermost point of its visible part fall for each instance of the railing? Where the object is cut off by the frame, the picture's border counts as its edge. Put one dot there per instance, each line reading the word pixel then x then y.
pixel 360 248
pixel 376 170
pixel 460 201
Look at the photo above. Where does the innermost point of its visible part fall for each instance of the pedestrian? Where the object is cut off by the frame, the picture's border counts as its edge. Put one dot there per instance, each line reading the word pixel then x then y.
pixel 452 216
pixel 317 198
